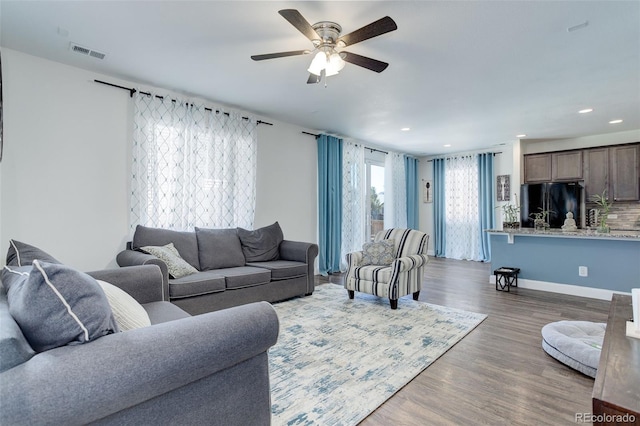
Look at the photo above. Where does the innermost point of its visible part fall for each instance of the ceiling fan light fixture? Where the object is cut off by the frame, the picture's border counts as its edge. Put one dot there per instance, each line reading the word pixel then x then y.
pixel 318 64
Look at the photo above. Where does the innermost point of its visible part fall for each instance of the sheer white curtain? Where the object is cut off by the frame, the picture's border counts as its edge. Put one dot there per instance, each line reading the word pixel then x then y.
pixel 354 196
pixel 395 192
pixel 462 211
pixel 191 166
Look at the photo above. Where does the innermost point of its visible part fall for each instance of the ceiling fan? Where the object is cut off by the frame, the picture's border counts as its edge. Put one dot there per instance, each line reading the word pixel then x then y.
pixel 329 57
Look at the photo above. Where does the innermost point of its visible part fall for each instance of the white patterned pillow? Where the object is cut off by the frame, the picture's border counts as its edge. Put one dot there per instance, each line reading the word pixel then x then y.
pixel 177 266
pixel 129 314
pixel 378 253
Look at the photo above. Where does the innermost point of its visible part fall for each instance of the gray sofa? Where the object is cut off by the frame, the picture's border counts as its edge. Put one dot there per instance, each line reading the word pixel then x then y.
pixel 209 369
pixel 232 266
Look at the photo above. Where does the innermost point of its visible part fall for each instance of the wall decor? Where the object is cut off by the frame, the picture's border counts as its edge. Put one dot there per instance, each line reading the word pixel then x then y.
pixel 503 187
pixel 427 191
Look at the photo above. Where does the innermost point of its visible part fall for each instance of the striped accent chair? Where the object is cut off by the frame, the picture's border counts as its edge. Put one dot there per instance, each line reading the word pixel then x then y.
pixel 402 277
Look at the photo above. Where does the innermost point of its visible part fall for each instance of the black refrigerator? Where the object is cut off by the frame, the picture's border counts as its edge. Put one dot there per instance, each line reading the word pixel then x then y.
pixel 558 198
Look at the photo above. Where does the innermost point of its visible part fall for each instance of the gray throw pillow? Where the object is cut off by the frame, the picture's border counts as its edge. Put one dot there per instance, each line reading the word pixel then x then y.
pixel 219 248
pixel 14 348
pixel 21 254
pixel 263 244
pixel 379 253
pixel 176 265
pixel 184 241
pixel 55 305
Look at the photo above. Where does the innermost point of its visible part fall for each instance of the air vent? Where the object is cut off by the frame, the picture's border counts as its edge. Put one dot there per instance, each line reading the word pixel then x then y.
pixel 86 51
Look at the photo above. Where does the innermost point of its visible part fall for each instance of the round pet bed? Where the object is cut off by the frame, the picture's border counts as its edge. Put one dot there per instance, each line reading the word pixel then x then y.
pixel 576 344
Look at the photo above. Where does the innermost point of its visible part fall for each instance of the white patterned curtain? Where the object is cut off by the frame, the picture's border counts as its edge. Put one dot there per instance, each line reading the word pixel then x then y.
pixel 461 204
pixel 191 166
pixel 395 192
pixel 354 196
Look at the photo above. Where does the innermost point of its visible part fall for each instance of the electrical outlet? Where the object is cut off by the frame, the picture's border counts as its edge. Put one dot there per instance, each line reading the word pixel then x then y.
pixel 583 271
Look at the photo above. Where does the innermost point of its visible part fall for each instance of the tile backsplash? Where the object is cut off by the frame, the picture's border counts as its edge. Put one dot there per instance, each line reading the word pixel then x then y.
pixel 628 215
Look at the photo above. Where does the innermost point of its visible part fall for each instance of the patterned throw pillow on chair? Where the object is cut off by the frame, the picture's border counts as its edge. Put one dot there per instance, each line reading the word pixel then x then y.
pixel 378 253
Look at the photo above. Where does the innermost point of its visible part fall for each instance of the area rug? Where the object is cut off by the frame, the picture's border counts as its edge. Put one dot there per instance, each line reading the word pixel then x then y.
pixel 337 360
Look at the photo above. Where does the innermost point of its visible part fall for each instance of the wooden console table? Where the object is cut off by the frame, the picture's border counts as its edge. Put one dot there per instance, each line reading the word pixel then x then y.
pixel 616 391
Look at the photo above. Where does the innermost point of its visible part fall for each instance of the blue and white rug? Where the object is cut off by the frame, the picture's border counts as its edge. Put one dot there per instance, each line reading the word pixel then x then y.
pixel 337 360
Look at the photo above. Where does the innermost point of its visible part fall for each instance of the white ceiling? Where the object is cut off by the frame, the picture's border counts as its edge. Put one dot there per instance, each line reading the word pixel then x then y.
pixel 469 74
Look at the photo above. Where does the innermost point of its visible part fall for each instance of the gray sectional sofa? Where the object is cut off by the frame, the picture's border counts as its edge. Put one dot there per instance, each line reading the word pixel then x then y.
pixel 208 369
pixel 229 267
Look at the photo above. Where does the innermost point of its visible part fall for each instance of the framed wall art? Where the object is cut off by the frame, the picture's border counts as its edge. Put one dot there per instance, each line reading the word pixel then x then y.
pixel 503 187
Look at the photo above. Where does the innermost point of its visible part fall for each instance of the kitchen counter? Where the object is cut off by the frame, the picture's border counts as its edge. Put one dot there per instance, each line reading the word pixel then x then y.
pixel 582 262
pixel 559 233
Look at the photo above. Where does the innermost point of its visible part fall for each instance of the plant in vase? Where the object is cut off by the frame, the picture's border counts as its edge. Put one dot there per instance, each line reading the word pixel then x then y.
pixel 540 219
pixel 510 215
pixel 604 207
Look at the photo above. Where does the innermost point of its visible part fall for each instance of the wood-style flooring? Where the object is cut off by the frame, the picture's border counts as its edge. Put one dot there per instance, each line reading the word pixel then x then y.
pixel 498 374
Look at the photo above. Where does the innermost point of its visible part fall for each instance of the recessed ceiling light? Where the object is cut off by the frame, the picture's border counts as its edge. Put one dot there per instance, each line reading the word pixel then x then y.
pixel 615 121
pixel 586 110
pixel 521 136
pixel 447 145
pixel 406 129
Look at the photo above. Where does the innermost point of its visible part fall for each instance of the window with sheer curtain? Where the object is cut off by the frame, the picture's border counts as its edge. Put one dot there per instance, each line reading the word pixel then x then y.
pixel 192 166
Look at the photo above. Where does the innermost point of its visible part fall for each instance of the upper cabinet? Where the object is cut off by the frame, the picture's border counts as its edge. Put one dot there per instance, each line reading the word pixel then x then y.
pixel 566 165
pixel 615 169
pixel 537 168
pixel 553 167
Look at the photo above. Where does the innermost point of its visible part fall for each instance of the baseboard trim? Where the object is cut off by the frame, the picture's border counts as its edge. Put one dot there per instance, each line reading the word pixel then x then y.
pixel 572 290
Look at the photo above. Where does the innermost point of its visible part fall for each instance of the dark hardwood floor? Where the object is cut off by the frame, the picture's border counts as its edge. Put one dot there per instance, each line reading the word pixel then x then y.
pixel 498 374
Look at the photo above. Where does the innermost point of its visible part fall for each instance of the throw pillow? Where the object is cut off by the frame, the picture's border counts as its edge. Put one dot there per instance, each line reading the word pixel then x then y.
pixel 185 242
pixel 219 248
pixel 55 305
pixel 21 254
pixel 177 266
pixel 378 253
pixel 129 314
pixel 262 244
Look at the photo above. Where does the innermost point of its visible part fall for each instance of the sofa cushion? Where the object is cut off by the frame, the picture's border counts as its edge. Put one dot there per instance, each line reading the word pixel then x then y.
pixel 219 248
pixel 184 242
pixel 14 348
pixel 21 254
pixel 55 305
pixel 282 269
pixel 262 244
pixel 163 312
pixel 176 265
pixel 129 314
pixel 204 282
pixel 245 276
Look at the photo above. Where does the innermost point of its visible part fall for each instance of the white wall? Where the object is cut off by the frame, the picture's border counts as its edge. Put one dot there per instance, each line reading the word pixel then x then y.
pixel 65 169
pixel 532 147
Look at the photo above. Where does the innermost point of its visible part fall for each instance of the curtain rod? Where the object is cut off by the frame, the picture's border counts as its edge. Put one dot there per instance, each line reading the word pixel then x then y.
pixel 366 147
pixel 132 91
pixel 448 158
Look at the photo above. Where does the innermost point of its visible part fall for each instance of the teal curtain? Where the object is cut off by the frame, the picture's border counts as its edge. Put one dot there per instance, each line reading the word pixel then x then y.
pixel 329 203
pixel 439 207
pixel 411 173
pixel 486 205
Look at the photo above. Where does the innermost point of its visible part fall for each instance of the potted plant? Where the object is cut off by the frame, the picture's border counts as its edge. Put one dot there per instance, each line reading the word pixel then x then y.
pixel 511 215
pixel 604 206
pixel 540 219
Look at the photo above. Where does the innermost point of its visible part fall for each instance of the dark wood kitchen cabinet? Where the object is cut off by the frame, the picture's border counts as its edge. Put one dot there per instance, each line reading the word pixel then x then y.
pixel 566 166
pixel 537 168
pixel 615 169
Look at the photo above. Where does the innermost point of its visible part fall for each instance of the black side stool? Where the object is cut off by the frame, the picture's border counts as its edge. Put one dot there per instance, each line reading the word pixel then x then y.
pixel 506 277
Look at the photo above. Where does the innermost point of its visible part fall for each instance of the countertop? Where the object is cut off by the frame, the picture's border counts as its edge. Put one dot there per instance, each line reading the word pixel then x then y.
pixel 580 233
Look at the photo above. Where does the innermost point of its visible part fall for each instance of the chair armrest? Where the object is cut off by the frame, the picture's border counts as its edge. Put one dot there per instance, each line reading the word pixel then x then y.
pixel 144 282
pixel 133 257
pixel 407 263
pixel 354 259
pixel 80 384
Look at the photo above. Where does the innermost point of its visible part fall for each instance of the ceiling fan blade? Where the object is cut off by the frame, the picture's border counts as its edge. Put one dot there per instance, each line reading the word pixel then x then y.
pixel 297 20
pixel 363 61
pixel 278 55
pixel 313 79
pixel 374 29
